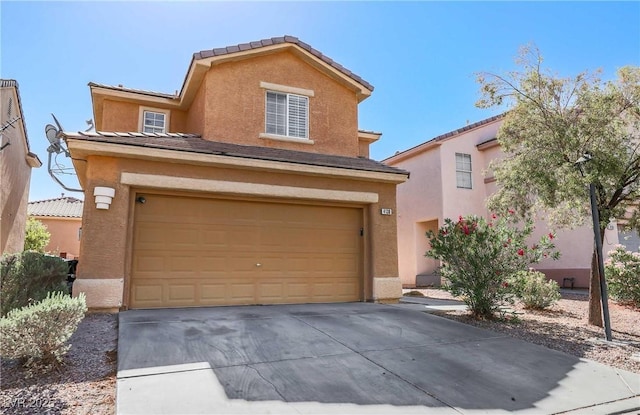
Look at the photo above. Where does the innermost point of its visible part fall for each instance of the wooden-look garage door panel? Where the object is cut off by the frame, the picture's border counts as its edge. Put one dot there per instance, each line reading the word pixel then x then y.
pixel 195 251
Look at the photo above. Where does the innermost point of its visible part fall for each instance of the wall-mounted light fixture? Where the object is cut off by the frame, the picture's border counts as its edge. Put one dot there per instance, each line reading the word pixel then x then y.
pixel 104 196
pixel 141 200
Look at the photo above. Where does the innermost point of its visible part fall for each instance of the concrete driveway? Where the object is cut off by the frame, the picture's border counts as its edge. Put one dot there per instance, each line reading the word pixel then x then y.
pixel 348 358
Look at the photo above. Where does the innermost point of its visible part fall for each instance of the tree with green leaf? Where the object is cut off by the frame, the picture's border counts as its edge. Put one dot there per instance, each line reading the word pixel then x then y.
pixel 479 257
pixel 552 121
pixel 36 235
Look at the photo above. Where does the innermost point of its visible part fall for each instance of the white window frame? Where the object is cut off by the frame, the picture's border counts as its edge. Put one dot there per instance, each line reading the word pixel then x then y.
pixel 144 110
pixel 461 169
pixel 288 92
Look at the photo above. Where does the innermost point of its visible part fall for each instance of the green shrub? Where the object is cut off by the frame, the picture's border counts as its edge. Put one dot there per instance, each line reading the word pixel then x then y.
pixel 28 277
pixel 39 332
pixel 534 290
pixel 36 235
pixel 622 273
pixel 478 256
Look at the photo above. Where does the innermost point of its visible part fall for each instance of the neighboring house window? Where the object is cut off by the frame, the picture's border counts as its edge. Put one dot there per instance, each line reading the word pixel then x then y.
pixel 287 115
pixel 153 122
pixel 463 170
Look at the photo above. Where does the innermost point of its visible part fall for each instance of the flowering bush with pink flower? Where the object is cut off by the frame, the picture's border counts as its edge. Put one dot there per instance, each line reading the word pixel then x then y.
pixel 622 273
pixel 478 257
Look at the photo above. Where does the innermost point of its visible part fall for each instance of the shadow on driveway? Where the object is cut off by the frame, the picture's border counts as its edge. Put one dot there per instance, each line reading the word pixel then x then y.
pixel 354 353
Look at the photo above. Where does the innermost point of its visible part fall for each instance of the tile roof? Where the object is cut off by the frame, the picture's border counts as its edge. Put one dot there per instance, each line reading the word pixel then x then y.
pixel 204 54
pixel 195 144
pixel 62 207
pixel 136 91
pixel 453 133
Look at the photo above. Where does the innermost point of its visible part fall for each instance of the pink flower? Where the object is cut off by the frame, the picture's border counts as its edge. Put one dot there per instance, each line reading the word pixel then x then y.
pixel 460 218
pixel 465 229
pixel 551 235
pixel 505 284
pixel 494 216
pixel 511 211
pixel 521 252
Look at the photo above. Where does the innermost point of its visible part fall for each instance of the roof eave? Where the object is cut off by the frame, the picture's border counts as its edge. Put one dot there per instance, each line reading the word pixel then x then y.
pixel 81 148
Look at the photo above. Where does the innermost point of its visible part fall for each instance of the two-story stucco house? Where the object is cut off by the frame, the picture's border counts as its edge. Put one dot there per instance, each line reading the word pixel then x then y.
pixel 63 218
pixel 450 176
pixel 251 185
pixel 16 162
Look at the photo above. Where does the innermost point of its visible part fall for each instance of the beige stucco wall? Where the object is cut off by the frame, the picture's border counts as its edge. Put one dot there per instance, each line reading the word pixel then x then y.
pixel 125 116
pixel 195 115
pixel 119 116
pixel 421 199
pixel 15 176
pixel 333 116
pixel 64 235
pixel 106 238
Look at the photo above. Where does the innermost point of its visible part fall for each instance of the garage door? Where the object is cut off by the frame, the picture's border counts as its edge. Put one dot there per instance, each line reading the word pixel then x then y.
pixel 198 252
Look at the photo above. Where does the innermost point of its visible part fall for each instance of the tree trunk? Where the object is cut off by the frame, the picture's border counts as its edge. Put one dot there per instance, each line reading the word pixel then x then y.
pixel 595 296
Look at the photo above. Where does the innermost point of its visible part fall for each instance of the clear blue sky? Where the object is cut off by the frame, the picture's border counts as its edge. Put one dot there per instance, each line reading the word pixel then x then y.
pixel 420 56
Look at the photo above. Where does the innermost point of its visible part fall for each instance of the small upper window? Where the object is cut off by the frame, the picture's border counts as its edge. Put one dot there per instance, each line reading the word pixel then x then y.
pixel 463 170
pixel 154 122
pixel 287 115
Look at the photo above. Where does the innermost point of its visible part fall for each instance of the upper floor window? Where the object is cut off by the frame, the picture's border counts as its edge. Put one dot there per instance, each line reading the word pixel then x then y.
pixel 463 170
pixel 153 120
pixel 287 115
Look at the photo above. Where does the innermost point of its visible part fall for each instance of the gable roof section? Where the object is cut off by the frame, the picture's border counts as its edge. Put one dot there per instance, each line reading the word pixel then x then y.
pixel 202 61
pixel 443 137
pixel 62 207
pixel 32 158
pixel 195 144
pixel 205 54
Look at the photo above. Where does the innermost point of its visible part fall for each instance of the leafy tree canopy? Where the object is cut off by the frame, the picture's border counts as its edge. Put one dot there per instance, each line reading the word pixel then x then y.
pixel 551 122
pixel 36 236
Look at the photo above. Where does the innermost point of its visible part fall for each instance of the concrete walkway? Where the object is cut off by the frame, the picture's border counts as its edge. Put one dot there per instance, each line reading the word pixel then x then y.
pixel 354 358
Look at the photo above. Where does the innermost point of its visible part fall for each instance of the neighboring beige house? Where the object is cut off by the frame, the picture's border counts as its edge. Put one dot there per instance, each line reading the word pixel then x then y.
pixel 252 185
pixel 450 176
pixel 63 218
pixel 16 162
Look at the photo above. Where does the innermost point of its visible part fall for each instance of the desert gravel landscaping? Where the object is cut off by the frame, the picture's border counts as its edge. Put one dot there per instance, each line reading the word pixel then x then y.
pixel 565 327
pixel 85 384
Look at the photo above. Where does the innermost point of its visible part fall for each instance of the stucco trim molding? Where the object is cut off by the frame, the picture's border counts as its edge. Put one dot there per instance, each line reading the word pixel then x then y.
pixel 287 89
pixel 275 137
pixel 100 293
pixel 245 189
